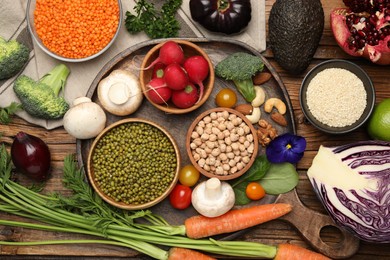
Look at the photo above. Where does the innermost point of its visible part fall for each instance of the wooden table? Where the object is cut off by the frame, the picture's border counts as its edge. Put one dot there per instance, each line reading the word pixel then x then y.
pixel 274 232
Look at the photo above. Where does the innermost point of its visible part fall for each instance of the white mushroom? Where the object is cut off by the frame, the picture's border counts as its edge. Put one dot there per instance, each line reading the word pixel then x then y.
pixel 213 198
pixel 120 92
pixel 85 119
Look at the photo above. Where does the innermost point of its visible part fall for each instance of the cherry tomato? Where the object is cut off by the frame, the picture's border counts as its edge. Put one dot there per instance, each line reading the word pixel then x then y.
pixel 180 197
pixel 226 98
pixel 254 191
pixel 188 175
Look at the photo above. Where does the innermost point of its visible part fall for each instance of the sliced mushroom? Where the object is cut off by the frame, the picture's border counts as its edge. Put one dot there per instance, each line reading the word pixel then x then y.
pixel 120 92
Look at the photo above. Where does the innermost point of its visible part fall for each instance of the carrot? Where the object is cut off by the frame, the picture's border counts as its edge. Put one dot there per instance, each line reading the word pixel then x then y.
pixel 177 253
pixel 293 252
pixel 234 220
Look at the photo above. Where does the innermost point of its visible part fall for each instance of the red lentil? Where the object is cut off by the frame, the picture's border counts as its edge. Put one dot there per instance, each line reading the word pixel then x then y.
pixel 76 28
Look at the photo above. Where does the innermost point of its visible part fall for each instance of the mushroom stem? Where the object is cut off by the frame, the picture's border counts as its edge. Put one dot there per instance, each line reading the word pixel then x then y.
pixel 213 188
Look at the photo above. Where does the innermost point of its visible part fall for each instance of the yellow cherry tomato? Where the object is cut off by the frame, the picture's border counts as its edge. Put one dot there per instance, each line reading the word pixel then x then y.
pixel 254 191
pixel 188 175
pixel 226 98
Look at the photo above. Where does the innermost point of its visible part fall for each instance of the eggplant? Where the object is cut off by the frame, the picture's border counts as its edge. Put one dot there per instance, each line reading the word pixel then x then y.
pixel 224 16
pixel 31 156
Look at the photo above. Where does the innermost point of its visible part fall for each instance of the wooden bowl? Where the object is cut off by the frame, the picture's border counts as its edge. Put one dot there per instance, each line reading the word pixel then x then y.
pixel 190 49
pixel 91 166
pixel 212 173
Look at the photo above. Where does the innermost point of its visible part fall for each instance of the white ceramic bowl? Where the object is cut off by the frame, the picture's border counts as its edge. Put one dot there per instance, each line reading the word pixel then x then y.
pixel 31 26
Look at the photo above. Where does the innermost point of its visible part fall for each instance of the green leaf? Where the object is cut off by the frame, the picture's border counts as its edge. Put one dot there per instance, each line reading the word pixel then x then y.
pixel 7 112
pixel 257 171
pixel 240 194
pixel 280 178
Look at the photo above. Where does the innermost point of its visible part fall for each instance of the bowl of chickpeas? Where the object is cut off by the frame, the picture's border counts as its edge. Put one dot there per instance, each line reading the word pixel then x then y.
pixel 74 31
pixel 222 143
pixel 133 164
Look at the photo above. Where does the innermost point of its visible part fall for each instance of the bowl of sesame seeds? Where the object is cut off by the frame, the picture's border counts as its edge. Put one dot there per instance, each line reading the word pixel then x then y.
pixel 75 30
pixel 337 96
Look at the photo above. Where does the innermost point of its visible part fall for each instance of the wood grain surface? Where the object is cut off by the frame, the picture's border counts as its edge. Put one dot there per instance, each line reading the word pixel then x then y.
pixel 274 232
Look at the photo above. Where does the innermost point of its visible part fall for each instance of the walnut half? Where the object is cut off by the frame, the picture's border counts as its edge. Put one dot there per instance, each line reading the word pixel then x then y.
pixel 266 132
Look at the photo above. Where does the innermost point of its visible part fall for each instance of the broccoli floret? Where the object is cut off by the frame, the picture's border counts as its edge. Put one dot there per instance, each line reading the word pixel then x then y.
pixel 40 98
pixel 240 67
pixel 13 56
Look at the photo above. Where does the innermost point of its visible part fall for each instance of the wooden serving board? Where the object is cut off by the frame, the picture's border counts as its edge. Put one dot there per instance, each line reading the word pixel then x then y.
pixel 308 222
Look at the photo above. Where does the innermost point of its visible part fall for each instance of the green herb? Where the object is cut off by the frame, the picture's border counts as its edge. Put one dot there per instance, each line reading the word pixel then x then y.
pixel 155 23
pixel 93 217
pixel 7 112
pixel 280 178
pixel 257 171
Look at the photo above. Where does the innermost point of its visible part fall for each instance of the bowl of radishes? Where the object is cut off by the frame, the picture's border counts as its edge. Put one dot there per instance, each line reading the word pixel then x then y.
pixel 177 76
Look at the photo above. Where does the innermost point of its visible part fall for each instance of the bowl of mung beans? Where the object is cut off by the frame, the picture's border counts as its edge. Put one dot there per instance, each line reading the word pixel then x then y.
pixel 222 143
pixel 133 164
pixel 337 96
pixel 74 31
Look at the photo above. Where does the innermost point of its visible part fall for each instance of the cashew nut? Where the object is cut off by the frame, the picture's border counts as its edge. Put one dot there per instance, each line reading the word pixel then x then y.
pixel 259 98
pixel 255 116
pixel 277 103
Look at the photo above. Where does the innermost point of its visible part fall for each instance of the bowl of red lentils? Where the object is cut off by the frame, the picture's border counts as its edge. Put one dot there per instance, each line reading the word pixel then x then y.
pixel 337 96
pixel 74 30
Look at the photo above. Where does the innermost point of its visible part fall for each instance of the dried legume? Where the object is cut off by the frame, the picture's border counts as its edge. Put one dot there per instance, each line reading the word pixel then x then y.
pixel 222 143
pixel 76 28
pixel 134 163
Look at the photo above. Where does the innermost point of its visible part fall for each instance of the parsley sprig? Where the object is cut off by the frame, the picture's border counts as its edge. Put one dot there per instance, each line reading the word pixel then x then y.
pixel 155 23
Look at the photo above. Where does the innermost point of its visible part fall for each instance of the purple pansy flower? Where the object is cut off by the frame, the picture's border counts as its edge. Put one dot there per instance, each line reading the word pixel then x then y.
pixel 286 148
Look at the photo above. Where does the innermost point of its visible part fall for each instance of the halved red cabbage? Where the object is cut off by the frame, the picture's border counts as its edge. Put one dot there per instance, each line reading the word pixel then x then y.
pixel 353 183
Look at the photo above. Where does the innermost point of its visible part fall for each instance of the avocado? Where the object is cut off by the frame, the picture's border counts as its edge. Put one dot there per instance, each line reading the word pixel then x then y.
pixel 295 29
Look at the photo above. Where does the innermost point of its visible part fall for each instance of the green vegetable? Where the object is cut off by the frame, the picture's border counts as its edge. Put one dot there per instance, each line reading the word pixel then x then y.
pixel 280 178
pixel 40 98
pixel 240 67
pixel 257 171
pixel 86 213
pixel 155 23
pixel 13 57
pixel 7 112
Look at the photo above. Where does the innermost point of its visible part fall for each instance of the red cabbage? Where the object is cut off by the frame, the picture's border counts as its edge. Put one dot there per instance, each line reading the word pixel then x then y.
pixel 353 183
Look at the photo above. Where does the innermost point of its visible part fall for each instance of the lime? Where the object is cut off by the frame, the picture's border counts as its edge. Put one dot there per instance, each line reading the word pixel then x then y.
pixel 379 122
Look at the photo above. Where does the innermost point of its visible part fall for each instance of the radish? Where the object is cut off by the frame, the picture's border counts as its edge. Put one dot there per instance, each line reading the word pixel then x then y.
pixel 170 52
pixel 186 97
pixel 158 92
pixel 158 70
pixel 197 69
pixel 175 76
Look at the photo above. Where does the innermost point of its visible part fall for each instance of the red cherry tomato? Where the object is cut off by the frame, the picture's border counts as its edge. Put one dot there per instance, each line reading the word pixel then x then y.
pixel 254 191
pixel 180 197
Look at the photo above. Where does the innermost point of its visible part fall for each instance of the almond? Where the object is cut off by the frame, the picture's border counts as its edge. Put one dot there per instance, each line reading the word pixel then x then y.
pixel 245 109
pixel 261 78
pixel 279 118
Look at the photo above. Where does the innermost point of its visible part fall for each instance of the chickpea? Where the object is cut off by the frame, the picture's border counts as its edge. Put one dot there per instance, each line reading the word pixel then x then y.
pixel 212 137
pixel 204 137
pixel 194 135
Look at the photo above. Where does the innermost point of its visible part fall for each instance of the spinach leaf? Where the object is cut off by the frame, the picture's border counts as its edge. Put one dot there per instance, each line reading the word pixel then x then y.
pixel 280 178
pixel 258 169
pixel 239 192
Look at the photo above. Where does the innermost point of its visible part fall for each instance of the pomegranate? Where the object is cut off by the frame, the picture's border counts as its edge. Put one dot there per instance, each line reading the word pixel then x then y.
pixel 363 29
